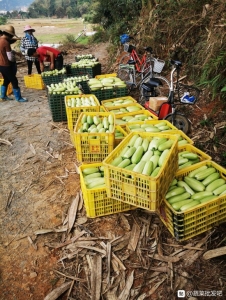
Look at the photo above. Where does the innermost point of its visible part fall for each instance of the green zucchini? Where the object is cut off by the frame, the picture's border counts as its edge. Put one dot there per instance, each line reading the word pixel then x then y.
pixel 211 178
pixel 203 174
pixel 177 205
pixel 137 155
pixel 185 186
pixel 201 195
pixel 165 145
pixel 129 153
pixel 147 155
pixel 133 139
pixel 178 198
pixel 208 198
pixel 148 168
pixel 192 173
pixel 139 167
pixel 124 163
pixel 194 184
pixel 90 170
pixel 215 184
pixel 175 192
pixel 163 157
pixel 189 205
pixel 155 172
pixel 117 161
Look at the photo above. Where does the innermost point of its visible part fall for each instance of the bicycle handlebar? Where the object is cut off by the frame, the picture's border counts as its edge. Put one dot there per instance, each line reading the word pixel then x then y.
pixel 176 63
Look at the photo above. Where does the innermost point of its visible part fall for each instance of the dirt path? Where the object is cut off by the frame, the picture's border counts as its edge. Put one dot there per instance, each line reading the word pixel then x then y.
pixel 38 179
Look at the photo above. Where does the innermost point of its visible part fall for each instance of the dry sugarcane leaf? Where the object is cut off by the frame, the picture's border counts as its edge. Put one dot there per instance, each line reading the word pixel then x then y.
pixel 81 220
pixel 125 222
pixel 72 212
pixel 32 149
pixel 154 288
pixel 165 258
pixel 115 260
pixel 81 252
pixel 43 231
pixel 214 253
pixel 81 202
pixel 103 252
pixel 122 242
pixel 181 281
pixel 72 240
pixel 62 229
pixel 80 244
pixel 96 277
pixel 220 125
pixel 190 253
pixel 56 293
pixel 31 242
pixel 111 294
pixel 135 233
pixel 170 265
pixel 85 264
pixel 6 142
pixel 108 254
pixel 126 291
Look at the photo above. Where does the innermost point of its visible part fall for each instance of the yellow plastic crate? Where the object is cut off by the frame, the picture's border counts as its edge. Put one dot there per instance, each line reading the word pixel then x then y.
pixel 106 75
pixel 34 81
pixel 102 109
pixel 145 112
pixel 93 147
pixel 119 139
pixel 199 219
pixel 113 109
pixel 184 138
pixel 137 189
pixel 74 112
pixel 96 201
pixel 107 103
pixel 9 89
pixel 148 122
pixel 191 148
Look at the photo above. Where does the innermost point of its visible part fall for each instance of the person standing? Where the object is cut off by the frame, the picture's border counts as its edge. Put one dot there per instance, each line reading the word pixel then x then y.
pixel 47 54
pixel 7 64
pixel 30 41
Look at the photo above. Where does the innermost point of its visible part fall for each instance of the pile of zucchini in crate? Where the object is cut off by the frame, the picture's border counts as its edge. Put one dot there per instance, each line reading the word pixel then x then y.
pixel 199 186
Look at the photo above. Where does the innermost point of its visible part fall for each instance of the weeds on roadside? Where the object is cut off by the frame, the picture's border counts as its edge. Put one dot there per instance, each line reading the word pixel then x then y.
pixel 73 39
pixel 213 75
pixel 206 122
pixel 223 159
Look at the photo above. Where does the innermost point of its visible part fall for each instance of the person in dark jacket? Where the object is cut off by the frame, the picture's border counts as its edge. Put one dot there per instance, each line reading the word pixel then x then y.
pixel 30 41
pixel 7 64
pixel 47 54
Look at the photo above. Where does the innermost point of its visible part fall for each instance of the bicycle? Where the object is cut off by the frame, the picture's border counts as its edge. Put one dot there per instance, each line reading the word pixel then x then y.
pixel 134 70
pixel 180 94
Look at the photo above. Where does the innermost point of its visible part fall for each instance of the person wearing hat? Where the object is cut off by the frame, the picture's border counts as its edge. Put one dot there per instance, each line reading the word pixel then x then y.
pixel 48 54
pixel 7 64
pixel 29 41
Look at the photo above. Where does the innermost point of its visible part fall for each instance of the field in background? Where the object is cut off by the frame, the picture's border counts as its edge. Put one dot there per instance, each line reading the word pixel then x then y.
pixel 50 31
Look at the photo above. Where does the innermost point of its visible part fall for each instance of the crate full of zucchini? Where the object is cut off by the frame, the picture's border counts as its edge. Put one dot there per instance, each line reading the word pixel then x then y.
pixel 94 136
pixel 140 169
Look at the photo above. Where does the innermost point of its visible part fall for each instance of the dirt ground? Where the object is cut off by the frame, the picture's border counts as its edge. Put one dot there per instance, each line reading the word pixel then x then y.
pixel 38 186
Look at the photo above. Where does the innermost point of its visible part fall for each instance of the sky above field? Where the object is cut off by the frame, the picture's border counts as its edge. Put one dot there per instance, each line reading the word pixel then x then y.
pixel 9 5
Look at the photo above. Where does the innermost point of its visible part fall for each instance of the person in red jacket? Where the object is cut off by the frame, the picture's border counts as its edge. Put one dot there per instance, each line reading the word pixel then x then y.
pixel 47 54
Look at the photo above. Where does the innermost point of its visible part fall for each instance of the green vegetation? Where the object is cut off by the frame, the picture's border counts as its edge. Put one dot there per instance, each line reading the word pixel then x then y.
pixel 3 20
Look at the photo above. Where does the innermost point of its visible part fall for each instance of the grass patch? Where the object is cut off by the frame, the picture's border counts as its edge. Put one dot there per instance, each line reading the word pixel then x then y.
pixel 50 39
